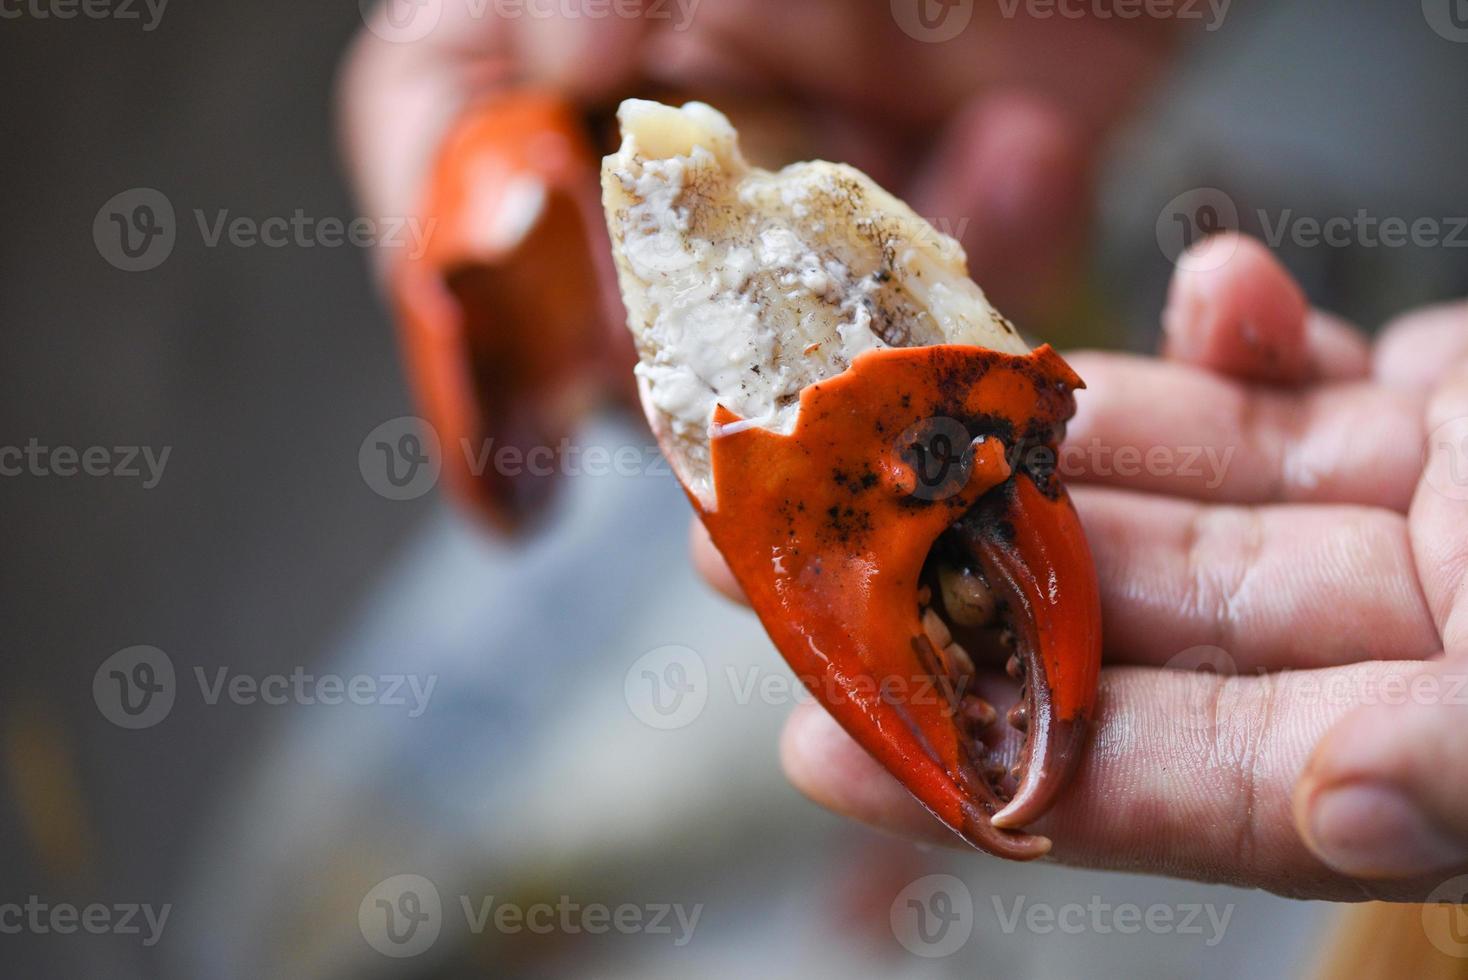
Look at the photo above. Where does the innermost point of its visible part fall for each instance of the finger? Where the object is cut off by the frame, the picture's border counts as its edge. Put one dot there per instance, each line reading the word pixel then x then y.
pixel 823 762
pixel 1385 794
pixel 1234 309
pixel 1337 350
pixel 1269 587
pixel 1438 521
pixel 709 563
pixel 1189 774
pixel 1178 430
pixel 1418 350
pixel 1266 588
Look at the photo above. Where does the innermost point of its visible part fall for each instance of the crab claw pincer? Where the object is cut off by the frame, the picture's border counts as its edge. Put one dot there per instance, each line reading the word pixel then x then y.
pixel 872 448
pixel 503 312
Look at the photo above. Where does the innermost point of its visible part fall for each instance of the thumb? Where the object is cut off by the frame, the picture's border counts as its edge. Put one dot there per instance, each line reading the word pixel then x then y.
pixel 1385 794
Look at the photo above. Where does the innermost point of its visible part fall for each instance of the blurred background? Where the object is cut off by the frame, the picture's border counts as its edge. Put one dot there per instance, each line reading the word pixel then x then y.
pixel 234 550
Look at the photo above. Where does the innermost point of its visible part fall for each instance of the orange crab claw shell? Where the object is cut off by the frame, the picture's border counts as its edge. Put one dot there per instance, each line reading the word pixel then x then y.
pixel 1043 566
pixel 827 530
pixel 503 313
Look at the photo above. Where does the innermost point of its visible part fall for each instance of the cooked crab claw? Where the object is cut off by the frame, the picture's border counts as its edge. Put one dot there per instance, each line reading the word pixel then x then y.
pixel 503 315
pixel 1029 546
pixel 872 448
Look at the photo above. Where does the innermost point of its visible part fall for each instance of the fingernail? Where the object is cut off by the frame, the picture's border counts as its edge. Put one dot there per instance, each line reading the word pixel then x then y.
pixel 1373 830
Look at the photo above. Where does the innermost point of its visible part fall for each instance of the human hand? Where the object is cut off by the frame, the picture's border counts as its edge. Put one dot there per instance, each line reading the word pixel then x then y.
pixel 1315 562
pixel 993 133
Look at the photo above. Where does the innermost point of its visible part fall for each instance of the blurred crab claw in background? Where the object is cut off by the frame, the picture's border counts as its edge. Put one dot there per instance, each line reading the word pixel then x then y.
pixel 507 316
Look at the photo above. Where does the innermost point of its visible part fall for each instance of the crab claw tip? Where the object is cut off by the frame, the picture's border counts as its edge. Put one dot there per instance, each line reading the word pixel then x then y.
pixel 1034 550
pixel 1056 750
pixel 983 832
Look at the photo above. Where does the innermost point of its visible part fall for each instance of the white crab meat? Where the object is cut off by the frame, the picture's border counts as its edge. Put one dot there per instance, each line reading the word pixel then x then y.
pixel 744 286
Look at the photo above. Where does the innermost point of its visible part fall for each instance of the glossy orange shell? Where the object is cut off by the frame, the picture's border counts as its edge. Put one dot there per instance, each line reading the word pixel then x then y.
pixel 827 529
